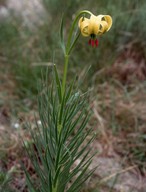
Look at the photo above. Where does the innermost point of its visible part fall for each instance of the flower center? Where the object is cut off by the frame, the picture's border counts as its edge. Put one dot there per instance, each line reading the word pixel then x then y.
pixel 93 41
pixel 92 36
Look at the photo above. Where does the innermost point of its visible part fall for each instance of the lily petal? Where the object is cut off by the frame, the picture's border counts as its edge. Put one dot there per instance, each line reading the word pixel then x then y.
pixel 106 18
pixel 94 25
pixel 96 28
pixel 83 25
pixel 103 27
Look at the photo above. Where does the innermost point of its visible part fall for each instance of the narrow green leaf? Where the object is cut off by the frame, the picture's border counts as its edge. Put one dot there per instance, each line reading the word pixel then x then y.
pixel 58 83
pixel 70 90
pixel 61 34
pixel 77 183
pixel 29 182
pixel 73 43
pixel 85 147
pixel 82 179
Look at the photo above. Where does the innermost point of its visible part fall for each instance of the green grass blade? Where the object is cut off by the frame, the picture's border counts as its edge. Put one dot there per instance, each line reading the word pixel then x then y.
pixel 58 84
pixel 61 35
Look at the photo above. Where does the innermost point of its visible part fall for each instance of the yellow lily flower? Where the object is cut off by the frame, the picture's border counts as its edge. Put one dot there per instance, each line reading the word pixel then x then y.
pixel 95 25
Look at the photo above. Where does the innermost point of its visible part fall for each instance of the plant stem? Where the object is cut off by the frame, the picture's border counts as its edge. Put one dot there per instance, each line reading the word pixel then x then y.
pixel 54 189
pixel 73 27
pixel 70 46
pixel 65 74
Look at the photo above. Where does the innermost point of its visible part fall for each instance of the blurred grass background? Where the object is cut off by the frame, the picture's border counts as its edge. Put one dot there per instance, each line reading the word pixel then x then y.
pixel 121 104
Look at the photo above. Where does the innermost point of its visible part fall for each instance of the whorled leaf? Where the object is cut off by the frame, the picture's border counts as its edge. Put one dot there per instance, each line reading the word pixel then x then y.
pixel 60 140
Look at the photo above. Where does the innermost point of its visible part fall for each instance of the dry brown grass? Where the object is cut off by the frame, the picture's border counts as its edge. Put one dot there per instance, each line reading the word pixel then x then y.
pixel 122 119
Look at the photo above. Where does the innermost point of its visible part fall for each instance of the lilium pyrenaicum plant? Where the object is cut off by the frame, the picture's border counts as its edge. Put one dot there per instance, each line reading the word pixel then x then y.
pixel 95 25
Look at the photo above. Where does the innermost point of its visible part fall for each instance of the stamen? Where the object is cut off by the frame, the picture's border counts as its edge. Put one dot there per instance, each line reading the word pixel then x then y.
pixel 92 43
pixel 96 42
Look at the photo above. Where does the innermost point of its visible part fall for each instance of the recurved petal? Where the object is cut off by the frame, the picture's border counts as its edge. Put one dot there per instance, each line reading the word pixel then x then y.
pixel 103 27
pixel 85 31
pixel 109 21
pixel 81 20
pixel 83 25
pixel 106 18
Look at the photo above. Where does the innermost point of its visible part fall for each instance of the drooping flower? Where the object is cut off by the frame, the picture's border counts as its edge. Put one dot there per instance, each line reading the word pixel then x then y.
pixel 93 26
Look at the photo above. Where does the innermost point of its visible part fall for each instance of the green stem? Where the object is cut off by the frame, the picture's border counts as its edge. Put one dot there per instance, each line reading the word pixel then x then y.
pixel 54 189
pixel 70 46
pixel 73 27
pixel 65 74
